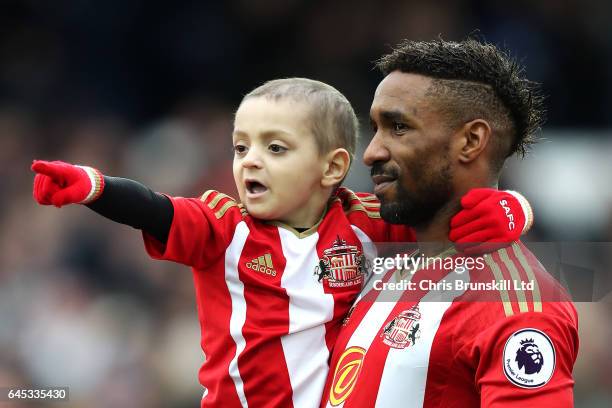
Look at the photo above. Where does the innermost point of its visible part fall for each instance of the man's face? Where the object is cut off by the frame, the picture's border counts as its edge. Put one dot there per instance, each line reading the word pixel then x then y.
pixel 277 166
pixel 409 153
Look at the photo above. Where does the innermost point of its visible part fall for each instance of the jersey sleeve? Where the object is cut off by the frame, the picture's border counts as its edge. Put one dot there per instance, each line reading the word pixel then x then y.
pixel 201 229
pixel 363 211
pixel 526 360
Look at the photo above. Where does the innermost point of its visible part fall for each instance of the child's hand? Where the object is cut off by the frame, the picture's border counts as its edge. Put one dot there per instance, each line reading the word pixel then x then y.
pixel 60 183
pixel 490 216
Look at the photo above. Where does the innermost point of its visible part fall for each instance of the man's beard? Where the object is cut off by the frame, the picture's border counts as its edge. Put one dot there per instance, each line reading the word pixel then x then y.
pixel 418 207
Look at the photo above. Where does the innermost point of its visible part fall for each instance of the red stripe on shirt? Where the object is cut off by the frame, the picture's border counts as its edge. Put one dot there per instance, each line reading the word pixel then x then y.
pixel 212 294
pixel 267 319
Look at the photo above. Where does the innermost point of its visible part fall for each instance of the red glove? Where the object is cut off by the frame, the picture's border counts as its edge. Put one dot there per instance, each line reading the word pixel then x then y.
pixel 490 216
pixel 60 183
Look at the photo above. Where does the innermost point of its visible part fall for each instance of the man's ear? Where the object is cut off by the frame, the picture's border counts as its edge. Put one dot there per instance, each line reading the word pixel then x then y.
pixel 474 137
pixel 337 165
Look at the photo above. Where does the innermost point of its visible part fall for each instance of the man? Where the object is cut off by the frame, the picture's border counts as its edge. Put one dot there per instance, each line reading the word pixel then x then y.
pixel 445 118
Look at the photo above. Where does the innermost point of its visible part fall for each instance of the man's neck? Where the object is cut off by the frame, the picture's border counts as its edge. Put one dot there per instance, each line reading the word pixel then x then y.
pixel 433 236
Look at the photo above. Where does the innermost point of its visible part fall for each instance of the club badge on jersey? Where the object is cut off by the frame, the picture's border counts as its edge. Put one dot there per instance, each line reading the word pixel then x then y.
pixel 342 265
pixel 529 358
pixel 403 331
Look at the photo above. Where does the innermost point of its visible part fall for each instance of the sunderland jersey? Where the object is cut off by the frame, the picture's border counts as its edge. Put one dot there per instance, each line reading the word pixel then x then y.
pixel 500 335
pixel 270 299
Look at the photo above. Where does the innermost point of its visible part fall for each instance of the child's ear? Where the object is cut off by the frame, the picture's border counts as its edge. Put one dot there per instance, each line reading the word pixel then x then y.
pixel 337 164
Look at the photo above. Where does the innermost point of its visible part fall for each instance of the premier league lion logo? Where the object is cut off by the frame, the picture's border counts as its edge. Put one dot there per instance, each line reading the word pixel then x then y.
pixel 529 356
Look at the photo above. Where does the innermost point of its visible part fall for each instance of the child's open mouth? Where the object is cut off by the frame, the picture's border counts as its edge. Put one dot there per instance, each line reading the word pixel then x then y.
pixel 255 188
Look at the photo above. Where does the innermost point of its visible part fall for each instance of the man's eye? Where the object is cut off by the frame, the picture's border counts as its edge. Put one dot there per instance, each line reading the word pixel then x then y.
pixel 240 149
pixel 275 148
pixel 399 127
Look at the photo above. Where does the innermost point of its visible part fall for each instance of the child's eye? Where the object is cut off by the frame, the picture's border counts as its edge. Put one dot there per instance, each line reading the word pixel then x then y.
pixel 240 149
pixel 276 148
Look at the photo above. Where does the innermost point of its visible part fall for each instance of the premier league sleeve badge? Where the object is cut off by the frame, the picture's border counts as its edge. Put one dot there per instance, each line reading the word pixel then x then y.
pixel 529 358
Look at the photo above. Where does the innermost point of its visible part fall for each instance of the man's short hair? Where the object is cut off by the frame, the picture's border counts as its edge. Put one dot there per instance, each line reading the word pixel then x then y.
pixel 471 80
pixel 332 118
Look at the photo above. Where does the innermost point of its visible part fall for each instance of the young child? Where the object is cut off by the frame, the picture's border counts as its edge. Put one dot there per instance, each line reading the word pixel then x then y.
pixel 276 272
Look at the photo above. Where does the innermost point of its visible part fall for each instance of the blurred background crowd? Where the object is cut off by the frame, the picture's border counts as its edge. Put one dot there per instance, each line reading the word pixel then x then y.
pixel 147 90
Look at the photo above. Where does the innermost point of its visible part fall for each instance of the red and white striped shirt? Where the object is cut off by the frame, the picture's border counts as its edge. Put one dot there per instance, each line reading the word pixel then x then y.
pixel 459 346
pixel 270 299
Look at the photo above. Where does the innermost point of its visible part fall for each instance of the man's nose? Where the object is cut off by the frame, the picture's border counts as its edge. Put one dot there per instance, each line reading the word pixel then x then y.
pixel 376 151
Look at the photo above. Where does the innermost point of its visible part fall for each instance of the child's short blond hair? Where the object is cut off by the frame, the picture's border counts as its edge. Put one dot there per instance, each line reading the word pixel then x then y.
pixel 333 120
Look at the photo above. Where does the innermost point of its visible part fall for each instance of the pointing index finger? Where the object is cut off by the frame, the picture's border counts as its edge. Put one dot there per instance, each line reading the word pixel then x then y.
pixel 48 169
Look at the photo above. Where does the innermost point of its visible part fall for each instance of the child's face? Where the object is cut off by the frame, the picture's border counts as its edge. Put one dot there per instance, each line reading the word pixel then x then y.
pixel 277 166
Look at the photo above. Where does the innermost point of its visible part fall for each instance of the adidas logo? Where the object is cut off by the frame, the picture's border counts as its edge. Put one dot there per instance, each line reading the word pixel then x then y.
pixel 262 264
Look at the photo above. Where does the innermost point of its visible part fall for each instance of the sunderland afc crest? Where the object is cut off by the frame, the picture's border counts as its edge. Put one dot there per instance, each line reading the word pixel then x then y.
pixel 342 265
pixel 404 330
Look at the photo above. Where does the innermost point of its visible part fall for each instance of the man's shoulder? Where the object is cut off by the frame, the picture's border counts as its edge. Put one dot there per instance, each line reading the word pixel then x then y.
pixel 517 283
pixel 518 263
